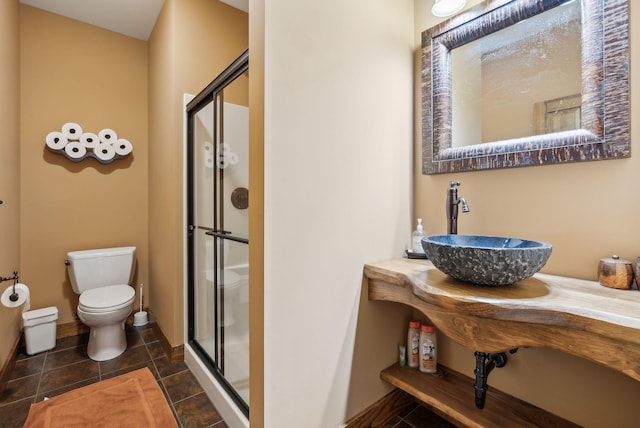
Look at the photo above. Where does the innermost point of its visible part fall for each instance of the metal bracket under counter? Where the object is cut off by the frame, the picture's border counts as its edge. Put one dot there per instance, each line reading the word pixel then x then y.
pixel 574 316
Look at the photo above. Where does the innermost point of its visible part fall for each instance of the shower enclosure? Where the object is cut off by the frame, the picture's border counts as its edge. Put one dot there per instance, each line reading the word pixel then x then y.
pixel 217 231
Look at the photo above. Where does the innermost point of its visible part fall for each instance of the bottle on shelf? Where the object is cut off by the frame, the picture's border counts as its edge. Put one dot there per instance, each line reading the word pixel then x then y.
pixel 428 351
pixel 413 344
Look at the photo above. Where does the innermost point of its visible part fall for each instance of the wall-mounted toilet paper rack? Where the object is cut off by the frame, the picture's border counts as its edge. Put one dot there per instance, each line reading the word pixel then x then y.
pixel 71 141
pixel 14 278
pixel 14 296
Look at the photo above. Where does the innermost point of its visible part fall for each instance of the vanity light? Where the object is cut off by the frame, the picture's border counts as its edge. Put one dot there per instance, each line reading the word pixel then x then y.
pixel 447 7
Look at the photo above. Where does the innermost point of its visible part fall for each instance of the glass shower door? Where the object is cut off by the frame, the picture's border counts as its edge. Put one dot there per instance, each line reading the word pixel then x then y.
pixel 218 234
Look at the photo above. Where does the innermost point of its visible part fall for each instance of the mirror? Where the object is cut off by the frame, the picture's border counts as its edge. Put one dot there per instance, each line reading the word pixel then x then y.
pixel 524 82
pixel 502 84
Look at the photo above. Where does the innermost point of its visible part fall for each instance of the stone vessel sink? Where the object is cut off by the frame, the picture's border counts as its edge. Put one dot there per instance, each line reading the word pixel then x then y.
pixel 486 260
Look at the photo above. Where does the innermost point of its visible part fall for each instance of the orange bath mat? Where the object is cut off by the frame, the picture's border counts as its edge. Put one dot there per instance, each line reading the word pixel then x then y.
pixel 130 400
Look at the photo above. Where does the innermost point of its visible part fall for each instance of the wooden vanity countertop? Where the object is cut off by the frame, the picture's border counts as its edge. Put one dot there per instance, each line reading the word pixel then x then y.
pixel 575 316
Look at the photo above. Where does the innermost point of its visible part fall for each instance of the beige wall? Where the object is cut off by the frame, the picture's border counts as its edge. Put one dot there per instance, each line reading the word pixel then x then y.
pixel 9 167
pixel 256 213
pixel 587 211
pixel 193 41
pixel 74 72
pixel 337 182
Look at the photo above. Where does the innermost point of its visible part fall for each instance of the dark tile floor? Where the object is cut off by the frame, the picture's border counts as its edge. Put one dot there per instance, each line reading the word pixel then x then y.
pixel 67 367
pixel 417 416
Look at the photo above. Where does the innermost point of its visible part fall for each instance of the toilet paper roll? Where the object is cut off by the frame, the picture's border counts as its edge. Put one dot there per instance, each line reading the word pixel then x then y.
pixel 89 140
pixel 108 136
pixel 75 151
pixel 123 147
pixel 56 140
pixel 23 297
pixel 73 131
pixel 104 153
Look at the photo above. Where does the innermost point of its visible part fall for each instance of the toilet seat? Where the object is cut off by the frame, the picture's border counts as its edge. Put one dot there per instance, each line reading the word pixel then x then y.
pixel 107 299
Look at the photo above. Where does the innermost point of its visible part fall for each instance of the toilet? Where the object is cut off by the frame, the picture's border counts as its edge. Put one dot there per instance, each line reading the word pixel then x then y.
pixel 228 279
pixel 101 278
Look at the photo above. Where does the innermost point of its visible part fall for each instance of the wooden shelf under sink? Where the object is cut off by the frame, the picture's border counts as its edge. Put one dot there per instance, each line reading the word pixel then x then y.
pixel 571 315
pixel 451 395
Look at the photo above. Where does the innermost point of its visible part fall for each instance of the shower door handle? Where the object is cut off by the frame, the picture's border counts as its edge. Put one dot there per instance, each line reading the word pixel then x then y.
pixel 225 234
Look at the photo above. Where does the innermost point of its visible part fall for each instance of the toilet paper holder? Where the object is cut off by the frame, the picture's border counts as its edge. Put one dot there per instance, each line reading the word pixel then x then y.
pixel 76 145
pixel 14 296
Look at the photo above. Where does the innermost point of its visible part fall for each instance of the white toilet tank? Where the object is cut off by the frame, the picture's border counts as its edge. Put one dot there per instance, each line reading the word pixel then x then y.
pixel 100 267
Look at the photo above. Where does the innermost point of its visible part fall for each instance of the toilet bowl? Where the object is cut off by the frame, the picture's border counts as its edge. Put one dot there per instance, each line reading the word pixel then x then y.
pixel 101 277
pixel 229 282
pixel 104 311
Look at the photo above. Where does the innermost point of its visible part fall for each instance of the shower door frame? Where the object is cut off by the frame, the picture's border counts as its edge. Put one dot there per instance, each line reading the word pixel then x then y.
pixel 205 97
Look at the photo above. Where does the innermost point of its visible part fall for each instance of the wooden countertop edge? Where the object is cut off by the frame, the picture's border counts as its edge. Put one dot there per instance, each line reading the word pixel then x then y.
pixel 481 319
pixel 566 301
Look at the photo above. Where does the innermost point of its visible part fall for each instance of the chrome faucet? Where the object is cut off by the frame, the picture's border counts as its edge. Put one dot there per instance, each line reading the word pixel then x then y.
pixel 452 207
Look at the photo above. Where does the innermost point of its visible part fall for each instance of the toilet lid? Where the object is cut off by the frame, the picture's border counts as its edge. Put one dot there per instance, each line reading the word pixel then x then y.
pixel 107 297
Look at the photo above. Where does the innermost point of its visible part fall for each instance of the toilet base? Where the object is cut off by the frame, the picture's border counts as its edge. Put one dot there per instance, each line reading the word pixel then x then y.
pixel 107 338
pixel 106 342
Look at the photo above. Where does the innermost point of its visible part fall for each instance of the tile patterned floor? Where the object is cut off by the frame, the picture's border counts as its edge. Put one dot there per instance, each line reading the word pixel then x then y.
pixel 67 367
pixel 417 416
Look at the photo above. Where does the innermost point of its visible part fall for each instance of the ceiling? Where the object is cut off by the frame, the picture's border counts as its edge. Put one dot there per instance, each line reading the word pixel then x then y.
pixel 134 18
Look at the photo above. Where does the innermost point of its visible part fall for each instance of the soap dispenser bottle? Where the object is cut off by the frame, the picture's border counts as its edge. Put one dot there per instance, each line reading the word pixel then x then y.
pixel 416 238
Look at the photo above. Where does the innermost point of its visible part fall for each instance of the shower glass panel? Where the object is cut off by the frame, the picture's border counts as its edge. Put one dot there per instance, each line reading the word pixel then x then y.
pixel 218 232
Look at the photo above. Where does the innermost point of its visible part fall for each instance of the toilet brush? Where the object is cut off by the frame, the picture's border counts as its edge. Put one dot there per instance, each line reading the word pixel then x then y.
pixel 140 317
